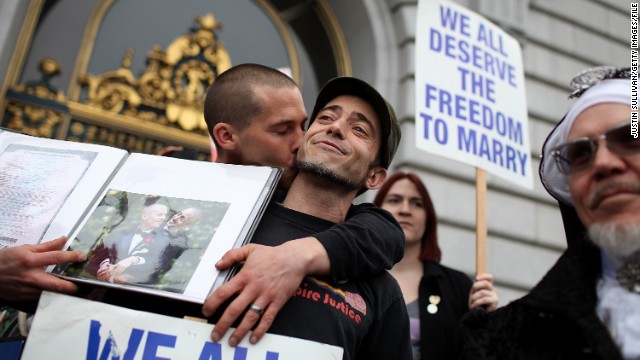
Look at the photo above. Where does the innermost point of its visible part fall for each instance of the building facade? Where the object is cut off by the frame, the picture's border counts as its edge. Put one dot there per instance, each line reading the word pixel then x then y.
pixel 132 74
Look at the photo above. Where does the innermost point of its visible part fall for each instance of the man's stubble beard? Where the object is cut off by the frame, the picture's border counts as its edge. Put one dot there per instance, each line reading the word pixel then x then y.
pixel 322 171
pixel 618 240
pixel 174 230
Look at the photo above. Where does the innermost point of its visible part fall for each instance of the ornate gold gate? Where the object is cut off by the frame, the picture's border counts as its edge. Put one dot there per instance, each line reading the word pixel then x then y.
pixel 162 104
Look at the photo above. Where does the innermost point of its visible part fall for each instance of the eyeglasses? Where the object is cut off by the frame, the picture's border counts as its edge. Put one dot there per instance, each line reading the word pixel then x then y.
pixel 578 155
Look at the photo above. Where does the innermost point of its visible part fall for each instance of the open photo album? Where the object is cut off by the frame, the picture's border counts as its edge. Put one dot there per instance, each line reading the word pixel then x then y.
pixel 147 223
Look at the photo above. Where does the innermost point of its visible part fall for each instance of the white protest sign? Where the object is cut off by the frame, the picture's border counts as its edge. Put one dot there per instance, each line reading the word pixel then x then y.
pixel 66 327
pixel 470 96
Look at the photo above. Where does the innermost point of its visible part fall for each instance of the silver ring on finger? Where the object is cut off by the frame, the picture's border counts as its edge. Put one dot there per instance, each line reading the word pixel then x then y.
pixel 256 309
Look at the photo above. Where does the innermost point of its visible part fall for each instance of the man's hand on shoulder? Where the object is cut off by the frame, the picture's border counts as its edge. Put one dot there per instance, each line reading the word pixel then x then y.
pixel 268 278
pixel 22 275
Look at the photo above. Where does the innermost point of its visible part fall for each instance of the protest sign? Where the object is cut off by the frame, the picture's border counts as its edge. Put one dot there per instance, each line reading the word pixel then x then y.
pixel 470 95
pixel 67 327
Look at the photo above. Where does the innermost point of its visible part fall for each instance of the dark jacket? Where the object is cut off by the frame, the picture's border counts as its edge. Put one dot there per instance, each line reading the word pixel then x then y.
pixel 440 333
pixel 116 248
pixel 556 320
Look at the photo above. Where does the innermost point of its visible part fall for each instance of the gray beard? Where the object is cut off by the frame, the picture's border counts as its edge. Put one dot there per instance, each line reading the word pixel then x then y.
pixel 174 230
pixel 321 171
pixel 620 241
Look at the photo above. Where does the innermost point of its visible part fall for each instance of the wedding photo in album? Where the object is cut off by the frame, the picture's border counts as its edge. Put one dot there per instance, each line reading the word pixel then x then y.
pixel 147 223
pixel 155 242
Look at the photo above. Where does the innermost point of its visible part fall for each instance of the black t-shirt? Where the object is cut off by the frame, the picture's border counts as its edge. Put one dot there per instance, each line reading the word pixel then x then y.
pixel 368 242
pixel 366 317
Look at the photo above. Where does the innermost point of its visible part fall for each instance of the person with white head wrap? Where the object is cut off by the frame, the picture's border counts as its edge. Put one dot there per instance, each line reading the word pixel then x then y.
pixel 572 313
pixel 606 91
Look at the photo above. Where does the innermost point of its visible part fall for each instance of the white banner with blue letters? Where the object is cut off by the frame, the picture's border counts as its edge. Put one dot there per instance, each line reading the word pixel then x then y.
pixel 470 95
pixel 70 328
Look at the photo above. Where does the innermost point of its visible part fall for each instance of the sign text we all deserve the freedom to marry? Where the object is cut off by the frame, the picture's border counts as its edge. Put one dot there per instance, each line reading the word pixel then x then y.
pixel 470 92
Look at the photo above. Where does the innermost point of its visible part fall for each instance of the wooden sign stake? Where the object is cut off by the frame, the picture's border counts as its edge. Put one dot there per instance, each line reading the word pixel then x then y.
pixel 481 221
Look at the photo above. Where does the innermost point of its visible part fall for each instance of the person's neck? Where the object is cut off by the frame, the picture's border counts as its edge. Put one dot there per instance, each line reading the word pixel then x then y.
pixel 611 263
pixel 411 259
pixel 409 272
pixel 225 157
pixel 319 197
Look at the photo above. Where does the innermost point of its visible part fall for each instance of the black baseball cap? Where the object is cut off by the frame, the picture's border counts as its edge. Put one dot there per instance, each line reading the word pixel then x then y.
pixel 346 85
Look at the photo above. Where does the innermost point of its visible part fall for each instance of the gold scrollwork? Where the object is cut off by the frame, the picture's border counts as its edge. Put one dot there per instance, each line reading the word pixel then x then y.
pixel 48 68
pixel 32 119
pixel 115 90
pixel 172 87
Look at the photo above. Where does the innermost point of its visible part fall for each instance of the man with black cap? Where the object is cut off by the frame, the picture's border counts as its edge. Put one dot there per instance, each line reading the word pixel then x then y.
pixel 347 149
pixel 588 304
pixel 256 116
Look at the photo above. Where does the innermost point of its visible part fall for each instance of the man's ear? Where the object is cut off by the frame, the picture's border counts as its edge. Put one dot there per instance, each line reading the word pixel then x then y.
pixel 225 136
pixel 376 177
